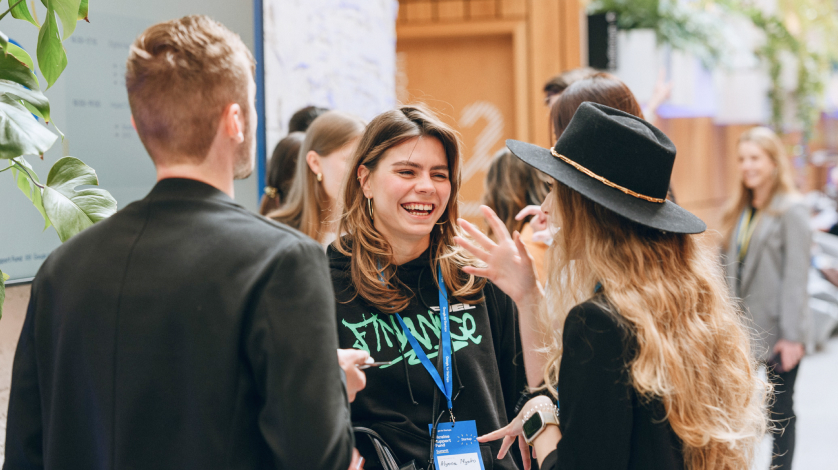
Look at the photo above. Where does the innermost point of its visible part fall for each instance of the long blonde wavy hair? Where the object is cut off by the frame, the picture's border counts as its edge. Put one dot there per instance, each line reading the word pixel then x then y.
pixel 307 207
pixel 743 197
pixel 370 252
pixel 693 350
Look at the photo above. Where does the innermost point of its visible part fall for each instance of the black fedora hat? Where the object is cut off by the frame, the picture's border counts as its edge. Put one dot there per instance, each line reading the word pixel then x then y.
pixel 618 161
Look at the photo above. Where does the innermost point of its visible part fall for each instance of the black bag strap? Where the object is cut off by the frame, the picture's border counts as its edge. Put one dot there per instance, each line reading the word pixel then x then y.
pixel 385 453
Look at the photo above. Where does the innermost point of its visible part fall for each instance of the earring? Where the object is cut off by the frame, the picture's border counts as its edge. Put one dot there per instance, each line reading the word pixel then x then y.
pixel 319 177
pixel 369 206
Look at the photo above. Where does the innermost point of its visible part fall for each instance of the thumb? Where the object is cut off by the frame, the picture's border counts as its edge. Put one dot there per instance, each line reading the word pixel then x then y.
pixel 352 356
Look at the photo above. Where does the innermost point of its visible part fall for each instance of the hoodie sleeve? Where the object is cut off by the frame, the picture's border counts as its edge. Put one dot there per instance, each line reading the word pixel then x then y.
pixel 508 346
pixel 292 346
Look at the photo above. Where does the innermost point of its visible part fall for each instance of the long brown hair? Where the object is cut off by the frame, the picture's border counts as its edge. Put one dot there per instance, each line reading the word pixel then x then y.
pixel 307 208
pixel 602 88
pixel 371 254
pixel 693 349
pixel 743 197
pixel 512 185
pixel 281 169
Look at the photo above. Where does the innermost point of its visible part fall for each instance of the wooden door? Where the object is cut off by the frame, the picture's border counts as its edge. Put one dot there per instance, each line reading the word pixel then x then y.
pixel 481 64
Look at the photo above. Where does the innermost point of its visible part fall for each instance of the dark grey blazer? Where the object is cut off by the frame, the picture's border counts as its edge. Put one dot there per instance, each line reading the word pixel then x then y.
pixel 775 274
pixel 182 333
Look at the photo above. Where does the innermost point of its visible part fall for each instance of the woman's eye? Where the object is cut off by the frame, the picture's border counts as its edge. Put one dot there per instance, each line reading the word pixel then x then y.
pixel 441 176
pixel 406 172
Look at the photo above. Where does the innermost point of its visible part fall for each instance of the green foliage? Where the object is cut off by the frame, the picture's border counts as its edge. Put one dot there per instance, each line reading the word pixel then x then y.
pixel 684 27
pixel 72 211
pixel 69 211
pixel 20 132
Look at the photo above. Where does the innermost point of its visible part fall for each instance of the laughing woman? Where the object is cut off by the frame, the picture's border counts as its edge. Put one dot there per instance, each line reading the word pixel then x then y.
pixel 394 268
pixel 650 357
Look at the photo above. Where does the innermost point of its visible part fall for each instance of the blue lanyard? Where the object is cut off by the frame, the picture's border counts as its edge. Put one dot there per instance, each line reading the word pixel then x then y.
pixel 444 383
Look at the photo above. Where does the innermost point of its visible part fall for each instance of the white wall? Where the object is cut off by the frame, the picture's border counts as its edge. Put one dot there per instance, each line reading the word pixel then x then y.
pixel 338 54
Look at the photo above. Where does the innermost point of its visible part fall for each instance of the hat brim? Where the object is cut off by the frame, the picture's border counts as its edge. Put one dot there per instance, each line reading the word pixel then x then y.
pixel 668 216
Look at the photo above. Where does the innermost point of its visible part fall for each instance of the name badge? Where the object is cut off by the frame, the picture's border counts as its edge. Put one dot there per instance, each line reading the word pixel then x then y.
pixel 457 447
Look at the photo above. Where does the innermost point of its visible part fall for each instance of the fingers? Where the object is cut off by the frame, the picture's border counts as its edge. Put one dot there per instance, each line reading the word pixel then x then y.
pixel 352 357
pixel 477 252
pixel 477 234
pixel 479 272
pixel 522 249
pixel 528 211
pixel 524 448
pixel 497 226
pixel 494 435
pixel 504 448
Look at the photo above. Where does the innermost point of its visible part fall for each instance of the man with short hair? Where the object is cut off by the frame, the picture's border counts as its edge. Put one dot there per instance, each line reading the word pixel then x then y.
pixel 184 332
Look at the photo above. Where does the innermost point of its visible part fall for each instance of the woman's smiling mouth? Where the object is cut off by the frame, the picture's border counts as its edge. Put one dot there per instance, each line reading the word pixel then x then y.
pixel 418 209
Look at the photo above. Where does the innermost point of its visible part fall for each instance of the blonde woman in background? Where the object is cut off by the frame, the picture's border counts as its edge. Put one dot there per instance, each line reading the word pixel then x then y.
pixel 767 262
pixel 647 350
pixel 511 185
pixel 321 166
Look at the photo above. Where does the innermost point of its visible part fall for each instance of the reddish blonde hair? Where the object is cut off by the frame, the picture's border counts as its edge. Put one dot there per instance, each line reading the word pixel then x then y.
pixel 181 75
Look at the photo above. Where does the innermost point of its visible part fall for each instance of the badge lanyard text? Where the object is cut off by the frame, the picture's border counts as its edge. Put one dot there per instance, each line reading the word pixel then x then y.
pixel 445 382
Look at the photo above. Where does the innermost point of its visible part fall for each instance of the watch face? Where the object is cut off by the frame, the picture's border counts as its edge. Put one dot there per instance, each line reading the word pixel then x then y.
pixel 533 425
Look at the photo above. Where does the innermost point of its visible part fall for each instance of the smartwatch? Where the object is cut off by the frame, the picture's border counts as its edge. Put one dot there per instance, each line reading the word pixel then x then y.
pixel 535 424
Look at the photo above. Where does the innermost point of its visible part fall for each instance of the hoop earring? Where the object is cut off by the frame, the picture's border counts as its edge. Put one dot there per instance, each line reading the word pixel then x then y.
pixel 369 206
pixel 319 177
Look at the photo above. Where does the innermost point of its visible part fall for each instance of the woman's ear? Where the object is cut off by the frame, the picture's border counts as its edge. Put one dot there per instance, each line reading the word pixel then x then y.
pixel 363 178
pixel 313 161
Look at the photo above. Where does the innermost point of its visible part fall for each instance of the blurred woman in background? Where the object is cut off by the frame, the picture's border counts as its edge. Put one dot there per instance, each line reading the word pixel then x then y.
pixel 321 166
pixel 281 169
pixel 511 185
pixel 767 261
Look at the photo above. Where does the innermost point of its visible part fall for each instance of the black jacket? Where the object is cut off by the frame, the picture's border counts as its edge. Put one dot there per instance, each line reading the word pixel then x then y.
pixel 604 424
pixel 184 332
pixel 487 374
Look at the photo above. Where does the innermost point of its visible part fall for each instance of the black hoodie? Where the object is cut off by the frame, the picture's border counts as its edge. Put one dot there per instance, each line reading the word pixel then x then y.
pixel 398 400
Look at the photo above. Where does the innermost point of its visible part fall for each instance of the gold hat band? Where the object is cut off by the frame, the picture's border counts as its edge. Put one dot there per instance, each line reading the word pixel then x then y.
pixel 603 180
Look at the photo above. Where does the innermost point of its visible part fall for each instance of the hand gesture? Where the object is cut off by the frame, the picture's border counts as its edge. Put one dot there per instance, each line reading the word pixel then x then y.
pixel 539 219
pixel 510 432
pixel 508 263
pixel 356 380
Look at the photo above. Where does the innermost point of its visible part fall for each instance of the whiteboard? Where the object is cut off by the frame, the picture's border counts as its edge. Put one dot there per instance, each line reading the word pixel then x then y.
pixel 90 105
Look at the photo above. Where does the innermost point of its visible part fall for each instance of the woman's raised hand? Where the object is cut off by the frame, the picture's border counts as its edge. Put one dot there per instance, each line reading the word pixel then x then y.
pixel 508 263
pixel 539 218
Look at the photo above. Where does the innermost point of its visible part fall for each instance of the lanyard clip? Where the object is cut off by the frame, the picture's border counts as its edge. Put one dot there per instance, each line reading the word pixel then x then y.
pixel 451 415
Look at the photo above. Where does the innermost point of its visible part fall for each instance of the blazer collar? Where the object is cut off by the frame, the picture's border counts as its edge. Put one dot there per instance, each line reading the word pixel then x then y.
pixel 181 188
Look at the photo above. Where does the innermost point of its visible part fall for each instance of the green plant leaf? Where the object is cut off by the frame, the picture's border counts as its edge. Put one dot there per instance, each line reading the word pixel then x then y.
pixel 21 12
pixel 30 190
pixel 83 11
pixel 22 56
pixel 3 278
pixel 4 41
pixel 72 211
pixel 13 69
pixel 33 97
pixel 20 132
pixel 52 58
pixel 68 13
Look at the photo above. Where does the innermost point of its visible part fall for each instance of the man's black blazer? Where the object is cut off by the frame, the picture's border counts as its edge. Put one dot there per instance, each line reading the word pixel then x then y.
pixel 184 332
